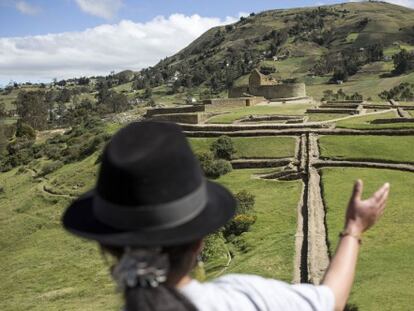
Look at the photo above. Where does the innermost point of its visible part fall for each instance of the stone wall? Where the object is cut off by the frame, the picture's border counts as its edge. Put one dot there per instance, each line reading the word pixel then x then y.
pixel 169 110
pixel 238 91
pixel 187 118
pixel 327 110
pixel 393 120
pixel 253 101
pixel 240 102
pixel 291 90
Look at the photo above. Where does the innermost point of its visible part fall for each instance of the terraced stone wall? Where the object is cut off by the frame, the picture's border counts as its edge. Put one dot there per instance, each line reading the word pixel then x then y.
pixel 238 91
pixel 212 104
pixel 169 110
pixel 187 118
pixel 292 90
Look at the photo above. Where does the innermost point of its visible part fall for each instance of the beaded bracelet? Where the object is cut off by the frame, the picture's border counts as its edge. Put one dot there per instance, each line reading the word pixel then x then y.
pixel 355 236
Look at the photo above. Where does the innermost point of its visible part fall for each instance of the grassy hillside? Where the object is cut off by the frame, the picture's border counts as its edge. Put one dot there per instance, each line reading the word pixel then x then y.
pixel 45 268
pixel 228 53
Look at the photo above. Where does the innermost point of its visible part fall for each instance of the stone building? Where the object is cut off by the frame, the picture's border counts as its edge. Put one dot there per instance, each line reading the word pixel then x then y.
pixel 266 86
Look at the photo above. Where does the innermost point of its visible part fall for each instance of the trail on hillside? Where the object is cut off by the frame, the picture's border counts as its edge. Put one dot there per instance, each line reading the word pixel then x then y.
pixel 45 188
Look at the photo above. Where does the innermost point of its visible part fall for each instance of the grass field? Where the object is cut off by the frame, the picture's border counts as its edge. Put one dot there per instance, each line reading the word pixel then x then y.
pixel 386 148
pixel 315 117
pixel 271 241
pixel 384 275
pixel 364 122
pixel 284 109
pixel 252 147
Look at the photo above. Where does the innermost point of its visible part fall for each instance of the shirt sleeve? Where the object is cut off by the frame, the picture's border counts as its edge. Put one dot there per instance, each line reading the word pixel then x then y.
pixel 259 293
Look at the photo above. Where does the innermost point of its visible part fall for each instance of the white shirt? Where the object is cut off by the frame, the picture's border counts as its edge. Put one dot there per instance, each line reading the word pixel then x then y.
pixel 237 292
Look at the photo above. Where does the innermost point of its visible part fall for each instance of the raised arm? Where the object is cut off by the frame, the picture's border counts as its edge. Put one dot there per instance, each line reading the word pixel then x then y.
pixel 360 216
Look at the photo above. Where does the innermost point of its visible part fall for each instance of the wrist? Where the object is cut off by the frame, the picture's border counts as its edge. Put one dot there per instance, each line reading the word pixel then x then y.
pixel 345 234
pixel 353 229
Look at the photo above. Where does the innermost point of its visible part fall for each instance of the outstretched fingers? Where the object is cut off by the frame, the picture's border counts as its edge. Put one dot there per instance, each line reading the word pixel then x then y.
pixel 381 194
pixel 357 191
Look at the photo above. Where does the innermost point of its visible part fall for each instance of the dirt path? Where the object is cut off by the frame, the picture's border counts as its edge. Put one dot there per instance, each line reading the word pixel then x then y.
pixel 318 258
pixel 43 186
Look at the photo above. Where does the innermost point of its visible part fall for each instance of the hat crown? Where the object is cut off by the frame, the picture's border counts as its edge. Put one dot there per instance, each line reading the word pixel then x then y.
pixel 148 163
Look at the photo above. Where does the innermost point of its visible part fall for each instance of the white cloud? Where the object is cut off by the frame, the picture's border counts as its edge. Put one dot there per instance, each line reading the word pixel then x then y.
pixel 26 8
pixel 97 51
pixel 102 8
pixel 407 3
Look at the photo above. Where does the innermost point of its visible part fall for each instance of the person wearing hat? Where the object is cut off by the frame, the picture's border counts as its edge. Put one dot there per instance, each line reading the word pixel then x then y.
pixel 151 209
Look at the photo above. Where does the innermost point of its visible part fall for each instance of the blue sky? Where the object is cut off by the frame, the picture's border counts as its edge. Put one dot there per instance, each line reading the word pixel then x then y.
pixel 55 16
pixel 45 39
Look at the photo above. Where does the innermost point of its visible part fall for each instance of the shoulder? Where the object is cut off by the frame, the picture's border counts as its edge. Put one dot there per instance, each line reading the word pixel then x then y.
pixel 250 292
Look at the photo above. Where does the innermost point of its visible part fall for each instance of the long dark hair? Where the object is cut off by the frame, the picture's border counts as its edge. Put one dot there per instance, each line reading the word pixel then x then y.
pixel 164 297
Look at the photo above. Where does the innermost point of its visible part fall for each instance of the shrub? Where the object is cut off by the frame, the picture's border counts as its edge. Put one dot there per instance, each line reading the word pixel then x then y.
pixel 18 145
pixel 25 130
pixel 213 168
pixel 213 246
pixel 239 224
pixel 50 167
pixel 223 148
pixel 403 91
pixel 51 151
pixel 9 130
pixel 245 202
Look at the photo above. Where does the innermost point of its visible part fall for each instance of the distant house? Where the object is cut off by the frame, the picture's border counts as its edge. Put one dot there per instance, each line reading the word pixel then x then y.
pixel 174 78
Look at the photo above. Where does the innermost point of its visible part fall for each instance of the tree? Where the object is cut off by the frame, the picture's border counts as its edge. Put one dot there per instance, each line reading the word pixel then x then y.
pixel 117 102
pixel 32 108
pixel 403 62
pixel 375 52
pixel 148 93
pixel 3 141
pixel 340 74
pixel 2 110
pixel 83 81
pixel 223 148
pixel 24 130
pixel 328 95
pixel 64 96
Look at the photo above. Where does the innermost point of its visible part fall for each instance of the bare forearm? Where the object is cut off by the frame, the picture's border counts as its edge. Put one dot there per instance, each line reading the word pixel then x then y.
pixel 341 272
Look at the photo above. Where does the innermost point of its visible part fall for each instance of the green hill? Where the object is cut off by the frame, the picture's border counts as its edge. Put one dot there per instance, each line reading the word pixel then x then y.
pixel 302 40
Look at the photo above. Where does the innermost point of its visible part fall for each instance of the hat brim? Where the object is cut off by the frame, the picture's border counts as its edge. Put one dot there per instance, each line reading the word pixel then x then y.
pixel 80 220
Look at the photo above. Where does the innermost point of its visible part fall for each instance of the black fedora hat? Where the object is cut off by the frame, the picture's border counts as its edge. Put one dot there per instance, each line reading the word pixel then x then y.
pixel 150 191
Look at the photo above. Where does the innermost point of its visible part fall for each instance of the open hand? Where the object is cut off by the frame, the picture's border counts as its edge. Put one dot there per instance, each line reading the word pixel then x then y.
pixel 363 214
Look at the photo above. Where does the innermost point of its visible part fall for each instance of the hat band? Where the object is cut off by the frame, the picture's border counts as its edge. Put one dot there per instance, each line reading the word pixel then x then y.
pixel 151 217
